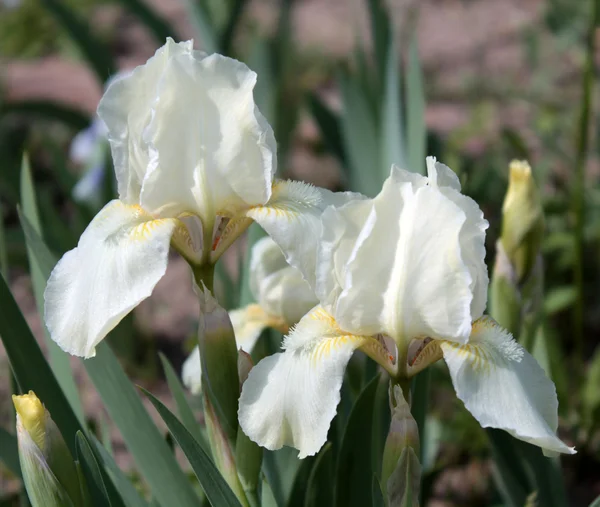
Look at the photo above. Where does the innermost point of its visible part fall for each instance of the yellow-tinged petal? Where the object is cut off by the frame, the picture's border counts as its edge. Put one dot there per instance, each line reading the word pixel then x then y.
pixel 504 387
pixel 33 416
pixel 522 221
pixel 188 238
pixel 290 398
pixel 232 230
pixel 48 469
pixel 292 217
pixel 119 259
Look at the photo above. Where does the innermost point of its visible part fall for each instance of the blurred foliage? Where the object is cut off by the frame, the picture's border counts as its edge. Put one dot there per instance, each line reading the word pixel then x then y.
pixel 28 30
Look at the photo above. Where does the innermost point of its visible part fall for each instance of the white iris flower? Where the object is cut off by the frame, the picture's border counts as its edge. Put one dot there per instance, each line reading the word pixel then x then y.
pixel 194 160
pixel 282 298
pixel 401 277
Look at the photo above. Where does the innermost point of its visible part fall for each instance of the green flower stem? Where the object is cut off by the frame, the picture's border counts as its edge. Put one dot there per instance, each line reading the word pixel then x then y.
pixel 220 381
pixel 204 274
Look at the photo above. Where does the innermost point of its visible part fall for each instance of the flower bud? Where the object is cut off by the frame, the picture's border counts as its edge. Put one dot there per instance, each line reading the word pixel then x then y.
pixel 220 386
pixel 219 361
pixel 49 472
pixel 506 303
pixel 523 220
pixel 401 470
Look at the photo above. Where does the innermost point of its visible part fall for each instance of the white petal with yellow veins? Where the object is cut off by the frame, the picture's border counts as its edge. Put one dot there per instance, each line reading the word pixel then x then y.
pixel 290 398
pixel 248 323
pixel 504 387
pixel 120 257
pixel 292 217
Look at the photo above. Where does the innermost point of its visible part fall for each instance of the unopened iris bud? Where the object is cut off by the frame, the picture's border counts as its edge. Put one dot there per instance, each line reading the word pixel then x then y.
pixel 48 469
pixel 401 470
pixel 219 360
pixel 523 220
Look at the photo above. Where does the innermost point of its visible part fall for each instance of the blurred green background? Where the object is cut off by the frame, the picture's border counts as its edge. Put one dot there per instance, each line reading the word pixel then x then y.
pixel 350 86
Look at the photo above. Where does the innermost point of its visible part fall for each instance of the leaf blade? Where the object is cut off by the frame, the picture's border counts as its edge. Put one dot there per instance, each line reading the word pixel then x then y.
pixel 128 492
pixel 416 135
pixel 91 472
pixel 31 369
pixel 329 125
pixel 149 450
pixel 353 477
pixel 9 452
pixel 393 149
pixel 318 489
pixel 183 407
pixel 59 360
pixel 217 491
pixel 359 132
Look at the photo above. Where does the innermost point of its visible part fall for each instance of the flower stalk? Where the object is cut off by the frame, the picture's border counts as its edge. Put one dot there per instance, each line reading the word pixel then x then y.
pixel 237 458
pixel 218 353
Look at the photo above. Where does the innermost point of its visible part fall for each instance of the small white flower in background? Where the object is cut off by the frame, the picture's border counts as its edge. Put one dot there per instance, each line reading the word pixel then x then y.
pixel 84 143
pixel 282 297
pixel 403 278
pixel 192 155
pixel 88 149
